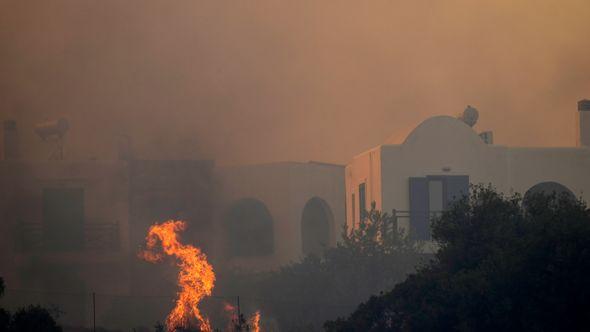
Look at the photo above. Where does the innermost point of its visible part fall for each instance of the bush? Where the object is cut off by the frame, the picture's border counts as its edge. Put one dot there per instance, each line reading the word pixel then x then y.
pixel 4 320
pixel 33 318
pixel 301 296
pixel 501 266
pixel 29 319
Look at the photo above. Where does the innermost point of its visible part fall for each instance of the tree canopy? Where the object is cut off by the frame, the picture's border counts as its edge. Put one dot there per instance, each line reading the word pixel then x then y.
pixel 4 315
pixel 33 318
pixel 369 259
pixel 501 266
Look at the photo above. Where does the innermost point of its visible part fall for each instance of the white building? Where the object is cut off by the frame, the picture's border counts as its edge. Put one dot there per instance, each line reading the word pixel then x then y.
pixel 267 215
pixel 273 214
pixel 443 155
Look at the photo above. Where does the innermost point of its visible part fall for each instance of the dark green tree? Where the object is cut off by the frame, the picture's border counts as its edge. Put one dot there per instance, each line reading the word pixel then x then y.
pixel 29 319
pixel 501 266
pixel 33 318
pixel 368 260
pixel 4 315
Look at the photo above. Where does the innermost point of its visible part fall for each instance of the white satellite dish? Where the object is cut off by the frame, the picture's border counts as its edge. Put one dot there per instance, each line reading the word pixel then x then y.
pixel 54 131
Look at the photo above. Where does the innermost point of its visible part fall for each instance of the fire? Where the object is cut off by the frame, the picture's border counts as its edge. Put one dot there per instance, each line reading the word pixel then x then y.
pixel 239 323
pixel 195 278
pixel 255 322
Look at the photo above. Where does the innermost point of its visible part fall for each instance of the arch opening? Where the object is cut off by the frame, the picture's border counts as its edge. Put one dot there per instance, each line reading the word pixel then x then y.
pixel 316 226
pixel 548 188
pixel 249 229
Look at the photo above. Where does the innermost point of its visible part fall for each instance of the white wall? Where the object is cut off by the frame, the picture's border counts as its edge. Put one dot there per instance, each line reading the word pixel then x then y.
pixel 446 146
pixel 284 188
pixel 439 146
pixel 568 166
pixel 364 168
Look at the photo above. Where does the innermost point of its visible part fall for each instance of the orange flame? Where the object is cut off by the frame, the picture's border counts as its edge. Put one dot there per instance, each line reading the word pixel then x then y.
pixel 195 278
pixel 255 322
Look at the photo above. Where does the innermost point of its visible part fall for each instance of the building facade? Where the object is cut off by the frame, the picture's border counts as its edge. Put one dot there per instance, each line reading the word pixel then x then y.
pixel 72 228
pixel 439 160
pixel 275 213
pixel 77 225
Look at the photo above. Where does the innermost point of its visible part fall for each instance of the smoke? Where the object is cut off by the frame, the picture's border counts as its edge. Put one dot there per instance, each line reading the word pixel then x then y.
pixel 253 81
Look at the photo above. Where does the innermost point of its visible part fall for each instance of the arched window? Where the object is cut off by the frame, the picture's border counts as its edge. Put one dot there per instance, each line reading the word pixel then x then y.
pixel 250 229
pixel 548 188
pixel 316 225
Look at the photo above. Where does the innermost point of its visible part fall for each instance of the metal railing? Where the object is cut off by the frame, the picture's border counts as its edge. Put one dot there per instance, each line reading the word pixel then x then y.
pixel 32 236
pixel 401 214
pixel 407 214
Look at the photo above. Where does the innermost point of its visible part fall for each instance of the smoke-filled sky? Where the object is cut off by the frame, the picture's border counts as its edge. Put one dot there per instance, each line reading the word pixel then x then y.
pixel 255 81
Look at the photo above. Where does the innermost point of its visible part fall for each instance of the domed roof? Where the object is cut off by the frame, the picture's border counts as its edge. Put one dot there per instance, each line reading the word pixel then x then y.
pixel 442 128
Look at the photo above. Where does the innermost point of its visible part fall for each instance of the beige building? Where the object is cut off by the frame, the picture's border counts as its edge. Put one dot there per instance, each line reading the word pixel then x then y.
pixel 272 214
pixel 443 155
pixel 75 226
pixel 71 228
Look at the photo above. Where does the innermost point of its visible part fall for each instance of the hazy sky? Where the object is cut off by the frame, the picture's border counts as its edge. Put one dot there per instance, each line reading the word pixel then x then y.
pixel 252 81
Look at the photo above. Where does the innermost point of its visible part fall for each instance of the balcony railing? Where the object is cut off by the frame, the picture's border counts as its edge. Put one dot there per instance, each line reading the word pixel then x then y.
pixel 93 237
pixel 407 215
pixel 400 214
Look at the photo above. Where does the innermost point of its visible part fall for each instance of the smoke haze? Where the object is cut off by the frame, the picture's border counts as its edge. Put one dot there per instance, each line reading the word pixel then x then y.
pixel 254 81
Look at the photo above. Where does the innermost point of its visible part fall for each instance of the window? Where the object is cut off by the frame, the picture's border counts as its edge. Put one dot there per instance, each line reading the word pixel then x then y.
pixel 362 201
pixel 548 188
pixel 316 221
pixel 435 197
pixel 63 218
pixel 431 195
pixel 353 207
pixel 250 229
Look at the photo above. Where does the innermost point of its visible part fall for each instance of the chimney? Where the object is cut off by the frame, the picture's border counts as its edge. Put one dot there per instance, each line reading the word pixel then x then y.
pixel 487 137
pixel 11 150
pixel 584 123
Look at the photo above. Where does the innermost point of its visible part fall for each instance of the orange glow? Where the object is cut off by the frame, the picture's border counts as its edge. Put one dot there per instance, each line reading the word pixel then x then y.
pixel 233 316
pixel 229 308
pixel 255 322
pixel 195 278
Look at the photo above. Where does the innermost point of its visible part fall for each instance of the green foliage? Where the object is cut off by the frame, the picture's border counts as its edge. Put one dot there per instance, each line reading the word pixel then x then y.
pixel 377 234
pixel 4 320
pixel 29 319
pixel 33 319
pixel 500 267
pixel 4 315
pixel 299 297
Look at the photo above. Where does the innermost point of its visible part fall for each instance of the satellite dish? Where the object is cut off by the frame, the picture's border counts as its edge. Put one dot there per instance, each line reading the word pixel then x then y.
pixel 52 129
pixel 469 116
